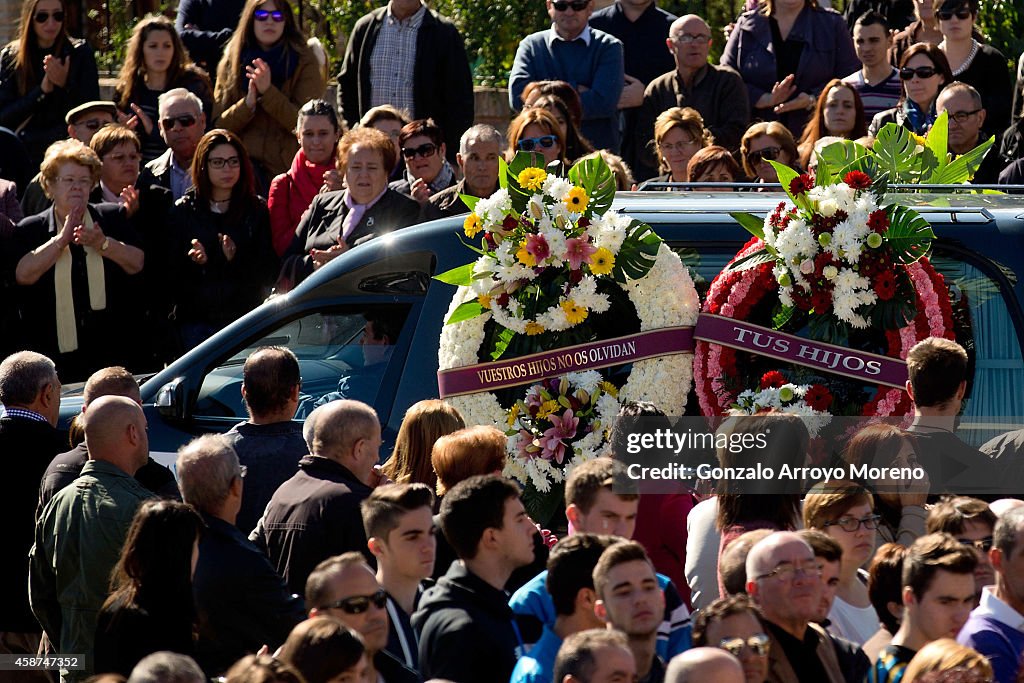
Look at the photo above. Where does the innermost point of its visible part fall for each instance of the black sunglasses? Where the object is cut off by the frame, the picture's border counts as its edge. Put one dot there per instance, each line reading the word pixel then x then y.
pixel 922 72
pixel 577 6
pixel 92 124
pixel 425 150
pixel 43 17
pixel 982 544
pixel 357 604
pixel 263 15
pixel 767 154
pixel 544 142
pixel 946 15
pixel 186 121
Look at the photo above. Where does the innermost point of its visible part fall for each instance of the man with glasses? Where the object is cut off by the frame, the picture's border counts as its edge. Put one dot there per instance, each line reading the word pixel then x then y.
pixel 938 595
pixel 963 105
pixel 784 579
pixel 589 60
pixel 971 522
pixel 717 92
pixel 242 603
pixel 345 588
pixel 182 124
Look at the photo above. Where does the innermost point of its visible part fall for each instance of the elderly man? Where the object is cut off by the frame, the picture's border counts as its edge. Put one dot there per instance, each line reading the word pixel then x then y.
pixel 182 124
pixel 717 92
pixel 704 664
pixel 996 626
pixel 962 104
pixel 589 60
pixel 79 537
pixel 315 514
pixel 241 602
pixel 30 392
pixel 784 579
pixel 479 150
pixel 595 656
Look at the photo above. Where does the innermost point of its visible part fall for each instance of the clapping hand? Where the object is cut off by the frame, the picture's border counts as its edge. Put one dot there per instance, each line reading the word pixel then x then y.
pixel 420 190
pixel 89 237
pixel 55 72
pixel 227 245
pixel 143 118
pixel 129 199
pixel 259 73
pixel 197 253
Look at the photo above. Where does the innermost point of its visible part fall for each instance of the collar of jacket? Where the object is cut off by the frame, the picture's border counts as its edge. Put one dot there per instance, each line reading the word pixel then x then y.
pixel 325 468
pixel 806 28
pixel 458 579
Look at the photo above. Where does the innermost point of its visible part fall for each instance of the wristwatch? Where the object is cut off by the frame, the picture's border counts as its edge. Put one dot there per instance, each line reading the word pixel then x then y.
pixel 106 244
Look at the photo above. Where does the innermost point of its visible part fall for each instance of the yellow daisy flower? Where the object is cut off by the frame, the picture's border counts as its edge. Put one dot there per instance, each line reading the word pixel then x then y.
pixel 547 408
pixel 484 300
pixel 532 178
pixel 533 329
pixel 525 257
pixel 512 415
pixel 575 314
pixel 919 139
pixel 610 389
pixel 577 200
pixel 472 225
pixel 602 262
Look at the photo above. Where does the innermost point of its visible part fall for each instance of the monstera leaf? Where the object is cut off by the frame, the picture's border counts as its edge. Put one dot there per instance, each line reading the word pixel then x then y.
pixel 909 235
pixel 638 253
pixel 963 168
pixel 594 176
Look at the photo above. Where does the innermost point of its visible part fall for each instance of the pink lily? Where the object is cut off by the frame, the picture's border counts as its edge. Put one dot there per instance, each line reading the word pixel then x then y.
pixel 562 427
pixel 578 251
pixel 537 247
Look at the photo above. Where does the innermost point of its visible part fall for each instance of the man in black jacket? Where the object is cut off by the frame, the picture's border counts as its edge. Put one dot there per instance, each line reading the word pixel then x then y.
pixel 409 56
pixel 315 514
pixel 30 393
pixel 241 602
pixel 468 633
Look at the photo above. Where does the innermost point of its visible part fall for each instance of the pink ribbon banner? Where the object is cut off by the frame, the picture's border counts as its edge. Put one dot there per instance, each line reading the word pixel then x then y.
pixel 837 360
pixel 473 379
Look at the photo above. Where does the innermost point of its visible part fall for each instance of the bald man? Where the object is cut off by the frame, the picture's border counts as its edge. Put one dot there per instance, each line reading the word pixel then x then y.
pixel 315 514
pixel 81 531
pixel 704 664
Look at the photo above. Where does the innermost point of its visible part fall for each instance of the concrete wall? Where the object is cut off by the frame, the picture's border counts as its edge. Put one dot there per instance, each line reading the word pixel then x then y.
pixel 10 10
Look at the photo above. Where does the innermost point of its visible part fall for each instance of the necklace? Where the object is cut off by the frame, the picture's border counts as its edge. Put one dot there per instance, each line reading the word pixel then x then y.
pixel 219 206
pixel 970 57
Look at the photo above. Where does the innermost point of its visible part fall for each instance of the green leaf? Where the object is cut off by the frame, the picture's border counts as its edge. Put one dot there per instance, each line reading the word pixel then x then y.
pixel 750 261
pixel 909 235
pixel 938 139
pixel 893 314
pixel 843 153
pixel 782 317
pixel 594 176
pixel 460 277
pixel 823 173
pixel 519 195
pixel 502 173
pixel 502 342
pixel 894 152
pixel 826 328
pixel 638 253
pixel 466 311
pixel 786 176
pixel 963 168
pixel 543 506
pixel 470 201
pixel 750 223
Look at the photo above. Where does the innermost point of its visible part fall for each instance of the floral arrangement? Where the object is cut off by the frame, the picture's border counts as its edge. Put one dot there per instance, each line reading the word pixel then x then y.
pixel 776 392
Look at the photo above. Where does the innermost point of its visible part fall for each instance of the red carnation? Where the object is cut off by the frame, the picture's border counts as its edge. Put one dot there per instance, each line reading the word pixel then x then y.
pixel 858 180
pixel 802 183
pixel 878 221
pixel 583 222
pixel 503 299
pixel 885 285
pixel 821 300
pixel 818 397
pixel 773 379
pixel 510 222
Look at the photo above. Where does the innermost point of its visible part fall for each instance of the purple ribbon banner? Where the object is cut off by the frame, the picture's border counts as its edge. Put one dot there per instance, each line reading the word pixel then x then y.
pixel 837 360
pixel 473 379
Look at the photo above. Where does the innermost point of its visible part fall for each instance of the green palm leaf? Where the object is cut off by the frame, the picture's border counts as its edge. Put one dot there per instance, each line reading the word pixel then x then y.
pixel 909 235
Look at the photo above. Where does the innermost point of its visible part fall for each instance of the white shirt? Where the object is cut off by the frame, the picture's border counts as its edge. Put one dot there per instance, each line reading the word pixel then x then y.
pixel 856 624
pixel 702 541
pixel 991 606
pixel 584 36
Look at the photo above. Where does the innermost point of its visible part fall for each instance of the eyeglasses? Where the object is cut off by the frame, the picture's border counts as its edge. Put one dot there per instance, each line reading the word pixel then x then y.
pixel 962 116
pixel 678 146
pixel 577 6
pixel 961 14
pixel 767 154
pixel 186 121
pixel 982 544
pixel 425 150
pixel 242 471
pixel 43 17
pixel 922 72
pixel 787 571
pixel 357 604
pixel 92 124
pixel 851 524
pixel 687 38
pixel 221 162
pixel 758 644
pixel 263 15
pixel 530 144
pixel 69 182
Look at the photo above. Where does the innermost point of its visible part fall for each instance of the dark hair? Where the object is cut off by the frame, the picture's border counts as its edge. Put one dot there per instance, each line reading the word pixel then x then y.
pixel 473 506
pixel 244 191
pixel 577 656
pixel 318 583
pixel 231 80
pixel 822 545
pixel 930 553
pixel 1004 536
pixel 588 478
pixel 872 17
pixel 576 145
pixel 269 376
pixel 25 47
pixel 425 127
pixel 616 554
pixel 322 648
pixel 262 669
pixel 827 501
pixel 938 60
pixel 885 582
pixel 132 79
pixel 318 108
pixel 708 158
pixel 951 513
pixel 720 609
pixel 816 128
pixel 563 91
pixel 383 510
pixel 571 566
pixel 936 367
pixel 954 5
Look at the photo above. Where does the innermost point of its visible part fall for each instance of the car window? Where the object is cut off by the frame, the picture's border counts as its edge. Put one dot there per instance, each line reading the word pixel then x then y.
pixel 342 354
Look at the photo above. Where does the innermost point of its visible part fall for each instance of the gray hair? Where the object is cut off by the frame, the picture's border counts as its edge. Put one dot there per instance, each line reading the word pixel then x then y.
pixel 1004 536
pixel 166 667
pixel 23 375
pixel 960 86
pixel 175 94
pixel 578 654
pixel 206 467
pixel 337 426
pixel 481 132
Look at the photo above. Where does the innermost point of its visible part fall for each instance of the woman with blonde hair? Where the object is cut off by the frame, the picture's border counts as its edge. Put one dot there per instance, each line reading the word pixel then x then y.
pixel 678 133
pixel 945 654
pixel 424 423
pixel 536 130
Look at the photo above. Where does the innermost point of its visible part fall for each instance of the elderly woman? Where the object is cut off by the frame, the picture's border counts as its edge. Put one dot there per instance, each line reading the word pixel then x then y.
pixel 679 133
pixel 536 130
pixel 120 153
pixel 75 263
pixel 427 171
pixel 339 220
pixel 764 142
pixel 924 71
pixel 786 52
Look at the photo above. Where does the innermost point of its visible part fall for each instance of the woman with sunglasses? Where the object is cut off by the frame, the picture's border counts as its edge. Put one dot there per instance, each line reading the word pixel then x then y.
pixel 924 71
pixel 764 142
pixel 339 220
pixel 155 62
pixel 975 63
pixel 536 130
pixel 291 193
pixel 839 114
pixel 733 624
pixel 44 74
pixel 576 146
pixel 266 74
pixel 427 171
pixel 223 258
pixel 679 133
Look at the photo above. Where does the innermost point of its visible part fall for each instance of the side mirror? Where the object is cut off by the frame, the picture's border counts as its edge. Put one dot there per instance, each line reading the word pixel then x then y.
pixel 170 400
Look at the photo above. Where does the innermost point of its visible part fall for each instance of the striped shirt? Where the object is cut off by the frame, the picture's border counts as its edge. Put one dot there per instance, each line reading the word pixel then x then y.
pixel 879 97
pixel 392 61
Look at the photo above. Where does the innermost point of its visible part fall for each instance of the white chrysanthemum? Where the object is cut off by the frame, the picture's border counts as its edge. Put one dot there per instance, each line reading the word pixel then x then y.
pixel 796 242
pixel 586 380
pixel 556 243
pixel 556 187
